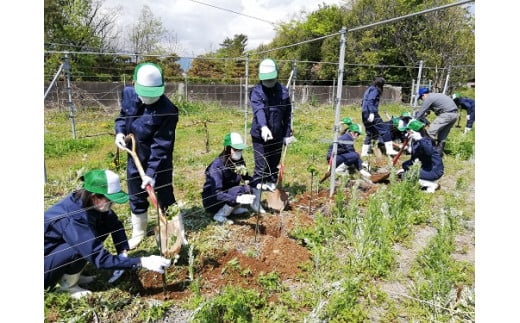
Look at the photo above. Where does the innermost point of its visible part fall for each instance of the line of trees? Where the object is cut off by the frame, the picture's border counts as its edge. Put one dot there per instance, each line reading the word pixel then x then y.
pixel 444 40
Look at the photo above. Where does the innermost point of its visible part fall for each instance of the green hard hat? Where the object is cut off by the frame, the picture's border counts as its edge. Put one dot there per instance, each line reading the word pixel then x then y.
pixel 347 121
pixel 354 127
pixel 415 125
pixel 406 114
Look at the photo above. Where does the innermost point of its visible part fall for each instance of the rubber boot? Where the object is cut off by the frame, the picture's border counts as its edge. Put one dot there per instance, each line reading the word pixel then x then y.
pixel 342 169
pixel 223 213
pixel 389 148
pixel 139 226
pixel 364 150
pixel 86 279
pixel 365 174
pixel 256 206
pixel 431 186
pixel 237 210
pixel 69 284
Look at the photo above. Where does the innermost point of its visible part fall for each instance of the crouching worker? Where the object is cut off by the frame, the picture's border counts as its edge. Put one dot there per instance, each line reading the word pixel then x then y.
pixel 432 167
pixel 226 190
pixel 346 156
pixel 75 229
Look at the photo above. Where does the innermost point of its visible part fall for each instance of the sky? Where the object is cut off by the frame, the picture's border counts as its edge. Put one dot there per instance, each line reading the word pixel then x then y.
pixel 200 26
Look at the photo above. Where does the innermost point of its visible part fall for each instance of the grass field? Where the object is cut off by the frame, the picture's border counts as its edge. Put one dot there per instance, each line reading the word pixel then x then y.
pixel 396 255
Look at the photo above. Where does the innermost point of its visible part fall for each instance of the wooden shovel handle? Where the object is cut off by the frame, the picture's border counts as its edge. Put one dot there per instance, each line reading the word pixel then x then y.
pixel 327 174
pixel 403 147
pixel 282 165
pixel 130 137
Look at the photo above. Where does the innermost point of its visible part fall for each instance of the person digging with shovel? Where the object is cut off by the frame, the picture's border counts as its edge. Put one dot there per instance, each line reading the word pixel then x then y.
pixel 152 118
pixel 226 190
pixel 374 124
pixel 347 157
pixel 74 232
pixel 271 126
pixel 423 150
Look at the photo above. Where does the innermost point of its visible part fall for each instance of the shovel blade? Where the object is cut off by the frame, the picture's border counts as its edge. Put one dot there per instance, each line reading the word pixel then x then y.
pixel 164 235
pixel 277 200
pixel 380 177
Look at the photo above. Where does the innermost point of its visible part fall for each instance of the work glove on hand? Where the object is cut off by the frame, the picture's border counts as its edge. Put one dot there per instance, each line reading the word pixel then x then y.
pixel 266 133
pixel 147 180
pixel 120 141
pixel 155 263
pixel 370 117
pixel 288 140
pixel 415 135
pixel 246 199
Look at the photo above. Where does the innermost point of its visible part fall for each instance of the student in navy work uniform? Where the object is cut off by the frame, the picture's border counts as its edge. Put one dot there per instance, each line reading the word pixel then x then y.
pixel 148 114
pixel 446 115
pixel 374 124
pixel 432 167
pixel 467 104
pixel 271 125
pixel 397 128
pixel 226 189
pixel 347 156
pixel 75 229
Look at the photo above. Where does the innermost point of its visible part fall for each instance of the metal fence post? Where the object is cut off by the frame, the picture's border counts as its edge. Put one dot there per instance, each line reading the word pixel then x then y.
pixel 66 69
pixel 338 109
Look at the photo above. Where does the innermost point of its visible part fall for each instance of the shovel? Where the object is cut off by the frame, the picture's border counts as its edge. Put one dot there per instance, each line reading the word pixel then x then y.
pixel 376 178
pixel 403 147
pixel 327 174
pixel 174 226
pixel 278 199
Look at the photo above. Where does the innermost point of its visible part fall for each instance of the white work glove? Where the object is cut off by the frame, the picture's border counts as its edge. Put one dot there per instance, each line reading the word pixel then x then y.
pixel 155 263
pixel 370 117
pixel 415 135
pixel 399 172
pixel 246 199
pixel 266 133
pixel 288 140
pixel 147 180
pixel 120 141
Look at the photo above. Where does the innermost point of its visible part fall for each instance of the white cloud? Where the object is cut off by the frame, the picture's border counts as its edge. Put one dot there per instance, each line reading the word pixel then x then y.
pixel 201 28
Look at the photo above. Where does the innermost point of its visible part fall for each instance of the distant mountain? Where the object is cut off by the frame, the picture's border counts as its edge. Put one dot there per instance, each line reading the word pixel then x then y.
pixel 185 63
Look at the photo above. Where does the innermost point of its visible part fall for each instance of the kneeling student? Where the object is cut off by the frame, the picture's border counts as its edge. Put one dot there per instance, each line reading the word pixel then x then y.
pixel 432 167
pixel 346 154
pixel 225 190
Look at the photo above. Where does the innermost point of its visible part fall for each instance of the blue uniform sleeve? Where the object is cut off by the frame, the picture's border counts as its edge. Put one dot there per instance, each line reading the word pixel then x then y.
pixel 129 101
pixel 162 144
pixel 371 100
pixel 115 228
pixel 288 111
pixel 467 104
pixel 217 177
pixel 80 236
pixel 258 105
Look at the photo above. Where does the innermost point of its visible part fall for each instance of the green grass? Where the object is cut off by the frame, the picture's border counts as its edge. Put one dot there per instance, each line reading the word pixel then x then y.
pixel 352 247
